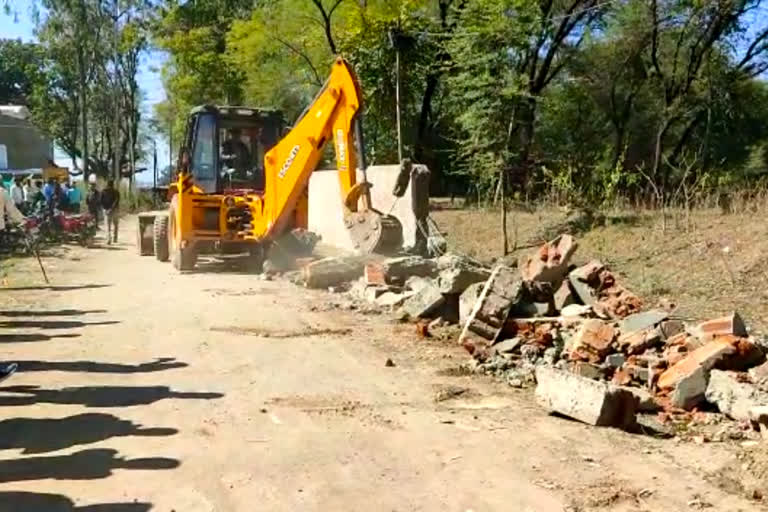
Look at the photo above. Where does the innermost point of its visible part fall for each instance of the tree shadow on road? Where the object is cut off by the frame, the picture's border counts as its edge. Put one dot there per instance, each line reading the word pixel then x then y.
pixel 51 324
pixel 41 435
pixel 158 365
pixel 82 465
pixel 97 396
pixel 25 338
pixel 18 501
pixel 62 288
pixel 60 312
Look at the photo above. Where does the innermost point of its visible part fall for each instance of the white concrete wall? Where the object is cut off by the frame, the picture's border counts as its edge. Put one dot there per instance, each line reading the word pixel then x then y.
pixel 326 213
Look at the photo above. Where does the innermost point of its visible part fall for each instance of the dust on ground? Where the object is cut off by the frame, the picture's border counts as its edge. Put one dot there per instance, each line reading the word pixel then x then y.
pixel 127 399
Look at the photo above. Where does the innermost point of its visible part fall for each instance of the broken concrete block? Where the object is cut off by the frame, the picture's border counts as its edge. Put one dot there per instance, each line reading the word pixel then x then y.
pixel 550 262
pixel 398 270
pixel 671 328
pixel 392 299
pixel 467 300
pixel 507 346
pixel 706 356
pixel 615 360
pixel 456 273
pixel 423 303
pixel 564 296
pixel 576 310
pixel 373 292
pixel 588 370
pixel 416 283
pixel 689 391
pixel 489 315
pixel 642 321
pixel 727 325
pixel 733 395
pixel 584 281
pixel 589 401
pixel 333 271
pixel 593 341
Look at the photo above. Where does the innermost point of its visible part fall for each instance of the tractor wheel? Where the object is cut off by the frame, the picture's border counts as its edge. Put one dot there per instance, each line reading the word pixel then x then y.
pixel 181 258
pixel 184 259
pixel 144 246
pixel 255 261
pixel 160 237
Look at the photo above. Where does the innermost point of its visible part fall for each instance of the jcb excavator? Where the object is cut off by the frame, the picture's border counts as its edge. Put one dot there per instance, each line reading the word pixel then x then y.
pixel 239 187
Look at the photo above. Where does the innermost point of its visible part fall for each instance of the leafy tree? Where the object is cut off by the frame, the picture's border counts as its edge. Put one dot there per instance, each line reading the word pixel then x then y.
pixel 19 71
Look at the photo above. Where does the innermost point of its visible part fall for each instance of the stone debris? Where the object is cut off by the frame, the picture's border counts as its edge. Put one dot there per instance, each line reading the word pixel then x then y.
pixel 589 401
pixel 573 331
pixel 735 394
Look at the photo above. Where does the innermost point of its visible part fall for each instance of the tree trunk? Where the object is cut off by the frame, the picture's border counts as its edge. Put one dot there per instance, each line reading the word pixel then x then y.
pixel 84 110
pixel 424 115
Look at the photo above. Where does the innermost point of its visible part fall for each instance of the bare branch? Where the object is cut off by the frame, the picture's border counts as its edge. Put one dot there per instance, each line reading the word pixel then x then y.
pixel 304 56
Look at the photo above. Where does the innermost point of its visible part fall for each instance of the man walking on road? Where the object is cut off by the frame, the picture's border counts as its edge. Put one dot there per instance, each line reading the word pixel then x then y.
pixel 110 202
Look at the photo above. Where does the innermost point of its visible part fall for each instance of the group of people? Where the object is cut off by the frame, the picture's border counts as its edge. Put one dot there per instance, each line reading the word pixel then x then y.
pixel 29 196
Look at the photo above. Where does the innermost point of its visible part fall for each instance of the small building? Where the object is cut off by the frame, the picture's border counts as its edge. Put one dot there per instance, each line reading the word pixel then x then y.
pixel 24 149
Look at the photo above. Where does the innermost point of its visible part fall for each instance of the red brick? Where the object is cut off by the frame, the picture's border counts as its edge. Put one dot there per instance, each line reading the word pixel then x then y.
pixel 593 341
pixel 374 274
pixel 726 325
pixel 707 356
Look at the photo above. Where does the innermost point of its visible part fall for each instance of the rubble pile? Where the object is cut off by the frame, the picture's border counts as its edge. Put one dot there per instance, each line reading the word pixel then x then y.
pixel 592 347
pixel 596 355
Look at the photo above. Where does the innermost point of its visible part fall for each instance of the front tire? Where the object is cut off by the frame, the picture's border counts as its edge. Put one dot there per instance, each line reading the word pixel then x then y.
pixel 160 237
pixel 181 258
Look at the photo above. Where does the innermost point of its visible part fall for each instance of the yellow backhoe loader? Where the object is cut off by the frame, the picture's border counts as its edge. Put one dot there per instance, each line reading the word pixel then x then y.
pixel 240 185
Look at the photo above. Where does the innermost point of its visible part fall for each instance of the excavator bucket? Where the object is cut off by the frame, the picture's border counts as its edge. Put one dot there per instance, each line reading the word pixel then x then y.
pixel 374 232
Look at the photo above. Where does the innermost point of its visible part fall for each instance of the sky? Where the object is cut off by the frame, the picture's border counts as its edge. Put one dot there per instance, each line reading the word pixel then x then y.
pixel 21 26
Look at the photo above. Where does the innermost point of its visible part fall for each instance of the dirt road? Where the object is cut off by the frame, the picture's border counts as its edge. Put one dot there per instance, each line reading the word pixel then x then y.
pixel 142 389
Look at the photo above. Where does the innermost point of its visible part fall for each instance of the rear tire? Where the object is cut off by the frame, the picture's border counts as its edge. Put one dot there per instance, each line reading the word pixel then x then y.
pixel 160 237
pixel 144 245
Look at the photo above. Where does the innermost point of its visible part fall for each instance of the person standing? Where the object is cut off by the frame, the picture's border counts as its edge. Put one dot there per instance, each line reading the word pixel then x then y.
pixel 17 194
pixel 48 190
pixel 110 202
pixel 73 198
pixel 30 191
pixel 93 201
pixel 8 207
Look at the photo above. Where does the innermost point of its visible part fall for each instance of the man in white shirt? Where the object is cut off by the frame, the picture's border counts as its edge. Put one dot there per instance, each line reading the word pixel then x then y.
pixel 17 194
pixel 30 191
pixel 7 206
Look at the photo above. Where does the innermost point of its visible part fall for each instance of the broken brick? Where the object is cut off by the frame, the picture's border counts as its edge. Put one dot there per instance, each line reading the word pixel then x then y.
pixel 374 274
pixel 636 342
pixel 727 325
pixel 593 341
pixel 707 357
pixel 550 262
pixel 564 296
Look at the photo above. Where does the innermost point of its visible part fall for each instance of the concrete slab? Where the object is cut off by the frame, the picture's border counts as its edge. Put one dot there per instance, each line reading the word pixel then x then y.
pixel 326 213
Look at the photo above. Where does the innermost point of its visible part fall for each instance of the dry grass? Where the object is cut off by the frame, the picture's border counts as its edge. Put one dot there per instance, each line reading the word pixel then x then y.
pixel 707 263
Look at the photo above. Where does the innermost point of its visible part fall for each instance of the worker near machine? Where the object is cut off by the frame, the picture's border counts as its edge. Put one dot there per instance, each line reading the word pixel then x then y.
pixel 110 202
pixel 93 202
pixel 235 153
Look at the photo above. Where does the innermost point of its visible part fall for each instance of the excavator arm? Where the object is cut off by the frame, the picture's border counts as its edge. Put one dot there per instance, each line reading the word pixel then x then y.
pixel 334 115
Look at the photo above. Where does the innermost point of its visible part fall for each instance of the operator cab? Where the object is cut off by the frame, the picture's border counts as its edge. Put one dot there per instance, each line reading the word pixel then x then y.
pixel 227 145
